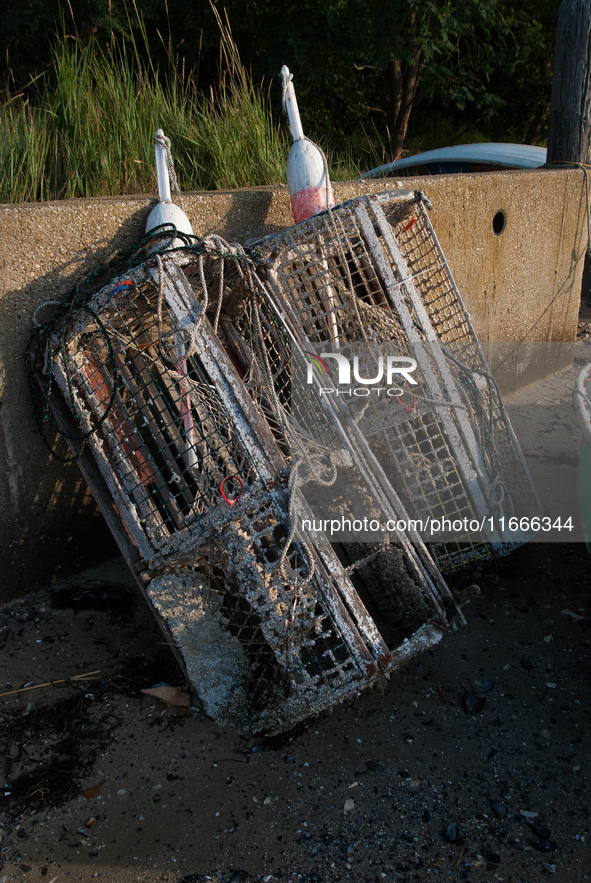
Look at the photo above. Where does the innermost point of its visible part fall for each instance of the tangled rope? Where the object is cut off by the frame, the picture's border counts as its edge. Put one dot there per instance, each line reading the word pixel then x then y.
pixel 48 341
pixel 304 452
pixel 164 142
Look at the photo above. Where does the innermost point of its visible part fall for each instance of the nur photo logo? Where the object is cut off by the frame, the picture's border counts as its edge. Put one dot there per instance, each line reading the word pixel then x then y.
pixel 348 372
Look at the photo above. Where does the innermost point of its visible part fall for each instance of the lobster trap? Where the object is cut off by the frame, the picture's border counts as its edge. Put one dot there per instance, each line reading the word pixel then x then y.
pixel 372 271
pixel 260 338
pixel 194 481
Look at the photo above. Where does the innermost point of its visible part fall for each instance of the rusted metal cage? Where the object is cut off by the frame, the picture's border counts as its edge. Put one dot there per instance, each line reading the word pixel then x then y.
pixel 372 270
pixel 263 617
pixel 259 336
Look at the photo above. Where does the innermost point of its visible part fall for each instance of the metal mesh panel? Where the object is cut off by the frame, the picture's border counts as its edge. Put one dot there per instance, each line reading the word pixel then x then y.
pixel 414 234
pixel 294 658
pixel 303 410
pixel 437 290
pixel 199 479
pixel 425 465
pixel 314 280
pixel 166 434
pixel 373 271
pixel 259 336
pixel 319 650
pixel 415 451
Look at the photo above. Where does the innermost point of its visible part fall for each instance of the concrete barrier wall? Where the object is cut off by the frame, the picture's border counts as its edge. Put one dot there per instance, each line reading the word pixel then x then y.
pixel 523 284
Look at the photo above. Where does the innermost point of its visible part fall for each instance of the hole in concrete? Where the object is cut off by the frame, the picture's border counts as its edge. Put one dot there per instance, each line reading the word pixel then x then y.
pixel 499 222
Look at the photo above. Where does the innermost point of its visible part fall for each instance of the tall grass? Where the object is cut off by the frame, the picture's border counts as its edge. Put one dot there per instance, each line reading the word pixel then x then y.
pixel 91 131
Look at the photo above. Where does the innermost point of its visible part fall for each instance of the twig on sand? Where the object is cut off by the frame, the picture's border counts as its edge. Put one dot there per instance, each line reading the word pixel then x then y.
pixel 73 679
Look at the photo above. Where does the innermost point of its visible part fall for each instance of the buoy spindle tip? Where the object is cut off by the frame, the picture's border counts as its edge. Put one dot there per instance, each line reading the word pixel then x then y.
pixel 162 168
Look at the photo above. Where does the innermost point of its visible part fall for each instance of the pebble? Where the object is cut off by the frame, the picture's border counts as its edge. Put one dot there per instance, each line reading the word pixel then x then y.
pixel 526 663
pixel 375 766
pixel 471 703
pixel 349 805
pixel 199 878
pixel 542 832
pixel 541 845
pixel 575 618
pixel 499 809
pixel 528 814
pixel 451 832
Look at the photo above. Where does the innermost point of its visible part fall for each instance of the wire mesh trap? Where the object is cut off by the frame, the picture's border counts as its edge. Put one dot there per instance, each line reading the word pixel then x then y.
pixel 372 271
pixel 263 616
pixel 260 339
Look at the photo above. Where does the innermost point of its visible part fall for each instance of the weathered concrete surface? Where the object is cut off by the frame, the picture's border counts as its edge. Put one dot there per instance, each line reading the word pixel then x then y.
pixel 523 284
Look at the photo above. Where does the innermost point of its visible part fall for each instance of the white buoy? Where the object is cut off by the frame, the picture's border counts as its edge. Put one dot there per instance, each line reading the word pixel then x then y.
pixel 166 212
pixel 307 176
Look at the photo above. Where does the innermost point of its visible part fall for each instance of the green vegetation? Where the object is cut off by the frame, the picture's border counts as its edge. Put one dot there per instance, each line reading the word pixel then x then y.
pixel 92 131
pixel 79 113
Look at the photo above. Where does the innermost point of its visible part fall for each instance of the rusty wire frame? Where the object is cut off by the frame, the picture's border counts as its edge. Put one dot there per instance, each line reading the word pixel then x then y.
pixel 269 355
pixel 372 270
pixel 267 636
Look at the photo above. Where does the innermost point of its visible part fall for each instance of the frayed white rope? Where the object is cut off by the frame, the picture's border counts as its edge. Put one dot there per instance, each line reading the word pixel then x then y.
pixel 164 142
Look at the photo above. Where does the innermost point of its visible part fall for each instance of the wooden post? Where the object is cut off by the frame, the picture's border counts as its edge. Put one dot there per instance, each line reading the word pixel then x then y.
pixel 569 134
pixel 569 128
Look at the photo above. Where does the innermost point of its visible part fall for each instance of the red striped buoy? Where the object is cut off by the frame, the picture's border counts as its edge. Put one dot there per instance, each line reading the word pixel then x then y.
pixel 307 175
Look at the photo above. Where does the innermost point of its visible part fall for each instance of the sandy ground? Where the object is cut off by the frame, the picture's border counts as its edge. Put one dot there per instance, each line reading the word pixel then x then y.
pixel 473 764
